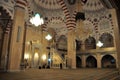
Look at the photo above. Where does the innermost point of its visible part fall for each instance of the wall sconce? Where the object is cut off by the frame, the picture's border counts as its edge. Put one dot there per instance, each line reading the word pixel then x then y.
pixel 36 55
pixel 36 20
pixel 99 44
pixel 44 57
pixel 28 42
pixel 26 56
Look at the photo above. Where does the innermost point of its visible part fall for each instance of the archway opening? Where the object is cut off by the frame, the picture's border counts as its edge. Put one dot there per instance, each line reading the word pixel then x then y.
pixel 90 43
pixel 91 62
pixel 36 58
pixel 107 40
pixel 108 61
pixel 78 62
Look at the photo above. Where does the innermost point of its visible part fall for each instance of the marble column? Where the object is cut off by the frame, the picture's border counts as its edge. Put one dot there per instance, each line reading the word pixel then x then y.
pixel 17 35
pixel 98 60
pixel 71 54
pixel 83 61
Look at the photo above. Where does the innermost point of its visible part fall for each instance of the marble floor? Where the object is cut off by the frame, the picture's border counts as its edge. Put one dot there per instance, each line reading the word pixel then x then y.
pixel 58 74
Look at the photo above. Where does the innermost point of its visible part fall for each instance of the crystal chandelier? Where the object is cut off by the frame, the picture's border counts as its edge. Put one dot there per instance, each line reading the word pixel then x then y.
pixel 99 44
pixel 81 31
pixel 48 37
pixel 36 20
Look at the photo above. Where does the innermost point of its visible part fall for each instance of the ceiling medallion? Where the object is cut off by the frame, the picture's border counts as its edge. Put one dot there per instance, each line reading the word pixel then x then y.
pixel 71 2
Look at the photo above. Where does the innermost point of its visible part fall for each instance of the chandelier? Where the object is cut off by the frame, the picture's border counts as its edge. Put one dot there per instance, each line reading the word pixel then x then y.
pixel 48 37
pixel 81 31
pixel 36 20
pixel 99 44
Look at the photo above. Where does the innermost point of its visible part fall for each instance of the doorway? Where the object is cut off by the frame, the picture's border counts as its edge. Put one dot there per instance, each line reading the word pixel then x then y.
pixel 108 61
pixel 78 62
pixel 91 62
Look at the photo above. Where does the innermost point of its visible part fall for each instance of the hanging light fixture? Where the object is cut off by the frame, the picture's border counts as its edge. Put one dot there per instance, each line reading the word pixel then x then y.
pixel 26 56
pixel 48 37
pixel 99 44
pixel 36 20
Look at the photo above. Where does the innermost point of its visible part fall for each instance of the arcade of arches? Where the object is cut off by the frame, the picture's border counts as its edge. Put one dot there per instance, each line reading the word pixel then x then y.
pixel 75 27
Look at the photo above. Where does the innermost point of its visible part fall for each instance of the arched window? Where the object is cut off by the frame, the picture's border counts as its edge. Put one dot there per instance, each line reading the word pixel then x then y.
pixel 107 40
pixel 91 62
pixel 90 43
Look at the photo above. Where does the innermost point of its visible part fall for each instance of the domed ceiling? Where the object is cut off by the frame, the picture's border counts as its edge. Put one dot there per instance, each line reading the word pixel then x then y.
pixel 93 5
pixel 48 4
pixel 52 9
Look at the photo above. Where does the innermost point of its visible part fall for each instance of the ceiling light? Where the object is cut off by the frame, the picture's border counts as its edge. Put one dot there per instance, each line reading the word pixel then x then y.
pixel 48 37
pixel 36 20
pixel 26 56
pixel 99 44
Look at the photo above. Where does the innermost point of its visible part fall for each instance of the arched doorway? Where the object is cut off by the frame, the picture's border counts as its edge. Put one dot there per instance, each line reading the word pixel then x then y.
pixel 108 61
pixel 91 62
pixel 78 62
pixel 36 60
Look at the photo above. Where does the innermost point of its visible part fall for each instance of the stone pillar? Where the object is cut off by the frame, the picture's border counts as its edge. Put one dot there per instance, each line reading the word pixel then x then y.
pixel 116 60
pixel 83 61
pixel 98 60
pixel 4 51
pixel 71 49
pixel 17 35
pixel 116 34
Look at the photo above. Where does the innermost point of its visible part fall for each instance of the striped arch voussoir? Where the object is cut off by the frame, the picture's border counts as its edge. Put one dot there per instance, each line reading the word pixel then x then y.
pixel 70 21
